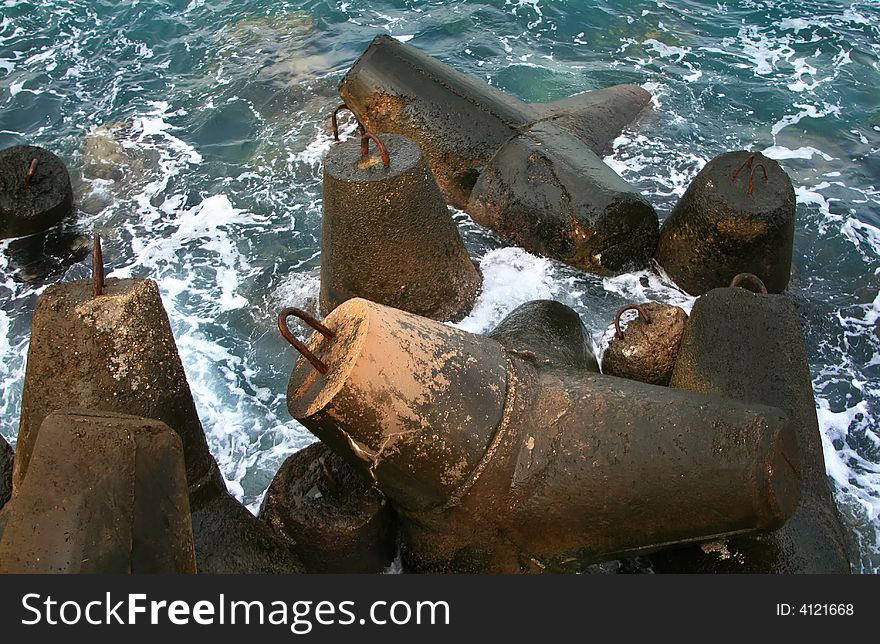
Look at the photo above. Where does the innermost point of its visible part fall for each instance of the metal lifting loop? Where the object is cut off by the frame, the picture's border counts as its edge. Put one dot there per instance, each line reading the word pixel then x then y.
pixel 749 277
pixel 752 175
pixel 297 344
pixel 334 122
pixel 745 164
pixel 365 147
pixel 629 307
pixel 31 171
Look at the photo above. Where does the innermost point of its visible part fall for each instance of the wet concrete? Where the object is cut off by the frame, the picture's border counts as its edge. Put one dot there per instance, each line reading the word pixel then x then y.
pixel 548 193
pixel 548 333
pixel 105 493
pixel 32 204
pixel 751 347
pixel 496 466
pixel 719 229
pixel 408 253
pixel 334 518
pixel 646 351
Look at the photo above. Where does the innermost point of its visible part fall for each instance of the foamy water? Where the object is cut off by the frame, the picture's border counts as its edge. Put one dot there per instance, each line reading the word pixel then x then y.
pixel 220 112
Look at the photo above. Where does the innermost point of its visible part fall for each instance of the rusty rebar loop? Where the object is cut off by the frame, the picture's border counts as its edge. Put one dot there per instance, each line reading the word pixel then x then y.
pixel 365 147
pixel 31 171
pixel 745 164
pixel 752 175
pixel 334 121
pixel 97 267
pixel 629 307
pixel 749 277
pixel 296 343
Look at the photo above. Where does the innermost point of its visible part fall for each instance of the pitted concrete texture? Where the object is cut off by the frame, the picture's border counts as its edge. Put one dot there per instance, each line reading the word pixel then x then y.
pixel 718 229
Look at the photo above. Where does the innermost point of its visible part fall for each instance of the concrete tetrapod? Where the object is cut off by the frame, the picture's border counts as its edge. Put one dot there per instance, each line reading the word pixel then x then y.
pixel 116 352
pixel 496 466
pixel 388 236
pixel 547 192
pixel 646 351
pixel 335 519
pixel 548 333
pixel 460 121
pixel 750 347
pixel 105 493
pixel 732 219
pixel 35 191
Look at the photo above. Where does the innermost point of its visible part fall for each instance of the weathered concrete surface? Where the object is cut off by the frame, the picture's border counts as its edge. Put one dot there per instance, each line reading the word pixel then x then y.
pixel 459 120
pixel 548 333
pixel 547 192
pixel 105 493
pixel 496 466
pixel 116 353
pixel 47 199
pixel 750 347
pixel 334 518
pixel 718 229
pixel 7 458
pixel 646 352
pixel 407 253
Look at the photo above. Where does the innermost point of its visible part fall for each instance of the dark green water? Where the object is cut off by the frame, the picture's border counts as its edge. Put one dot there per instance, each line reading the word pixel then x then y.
pixel 218 112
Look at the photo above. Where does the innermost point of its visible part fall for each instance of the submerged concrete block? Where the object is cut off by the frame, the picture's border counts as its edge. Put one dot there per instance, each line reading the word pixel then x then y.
pixel 750 347
pixel 105 493
pixel 732 219
pixel 388 236
pixel 336 521
pixel 494 465
pixel 35 191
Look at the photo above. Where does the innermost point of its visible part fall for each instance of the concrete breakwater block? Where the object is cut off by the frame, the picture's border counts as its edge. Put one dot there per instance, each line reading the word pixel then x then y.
pixel 460 121
pixel 464 126
pixel 737 216
pixel 35 191
pixel 646 351
pixel 750 347
pixel 7 458
pixel 336 521
pixel 105 493
pixel 548 333
pixel 116 352
pixel 547 192
pixel 388 236
pixel 496 466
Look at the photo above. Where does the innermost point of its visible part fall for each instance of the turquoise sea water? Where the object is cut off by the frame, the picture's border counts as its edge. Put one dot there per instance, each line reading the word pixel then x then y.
pixel 216 111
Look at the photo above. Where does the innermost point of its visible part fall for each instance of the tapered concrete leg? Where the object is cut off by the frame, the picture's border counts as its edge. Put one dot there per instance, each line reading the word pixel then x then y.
pixel 750 347
pixel 105 493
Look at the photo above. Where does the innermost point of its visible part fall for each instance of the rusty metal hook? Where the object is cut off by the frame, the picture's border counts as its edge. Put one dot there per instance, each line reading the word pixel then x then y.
pixel 31 171
pixel 629 307
pixel 297 344
pixel 749 277
pixel 752 175
pixel 334 122
pixel 745 164
pixel 97 267
pixel 365 147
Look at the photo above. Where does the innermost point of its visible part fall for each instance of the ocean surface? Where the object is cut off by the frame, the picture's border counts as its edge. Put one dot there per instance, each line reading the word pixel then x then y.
pixel 194 132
